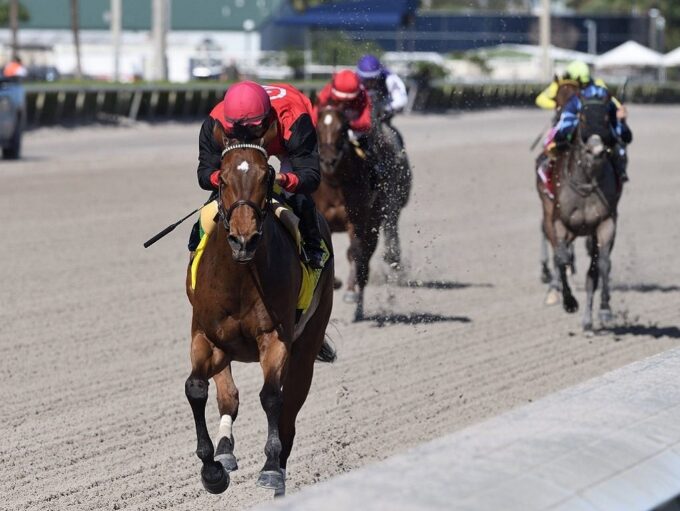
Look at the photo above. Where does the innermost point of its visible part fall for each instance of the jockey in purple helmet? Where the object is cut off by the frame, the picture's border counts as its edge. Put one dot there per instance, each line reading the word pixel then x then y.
pixel 388 95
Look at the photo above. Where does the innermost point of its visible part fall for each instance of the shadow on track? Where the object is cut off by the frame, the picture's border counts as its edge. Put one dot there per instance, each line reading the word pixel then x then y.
pixel 643 330
pixel 440 284
pixel 646 288
pixel 414 318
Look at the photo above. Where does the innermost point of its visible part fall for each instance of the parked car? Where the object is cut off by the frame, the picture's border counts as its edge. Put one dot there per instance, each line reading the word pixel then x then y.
pixel 12 117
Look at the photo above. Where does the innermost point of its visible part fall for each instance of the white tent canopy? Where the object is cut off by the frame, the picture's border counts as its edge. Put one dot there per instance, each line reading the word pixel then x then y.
pixel 630 54
pixel 672 58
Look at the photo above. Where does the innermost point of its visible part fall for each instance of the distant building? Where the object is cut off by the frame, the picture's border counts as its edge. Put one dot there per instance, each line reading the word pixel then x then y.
pixel 203 33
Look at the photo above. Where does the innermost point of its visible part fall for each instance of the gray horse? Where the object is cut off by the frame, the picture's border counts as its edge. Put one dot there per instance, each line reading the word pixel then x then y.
pixel 585 205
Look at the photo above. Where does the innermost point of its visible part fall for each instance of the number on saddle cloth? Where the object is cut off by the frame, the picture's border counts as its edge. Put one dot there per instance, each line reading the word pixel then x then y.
pixel 594 119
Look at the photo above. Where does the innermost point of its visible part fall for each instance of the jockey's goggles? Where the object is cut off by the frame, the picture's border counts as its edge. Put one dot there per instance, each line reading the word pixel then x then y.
pixel 249 128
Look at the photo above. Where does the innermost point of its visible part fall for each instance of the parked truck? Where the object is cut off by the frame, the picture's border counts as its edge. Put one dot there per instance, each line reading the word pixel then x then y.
pixel 12 117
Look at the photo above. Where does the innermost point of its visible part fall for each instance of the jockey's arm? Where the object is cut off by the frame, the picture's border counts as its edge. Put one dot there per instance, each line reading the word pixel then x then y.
pixel 397 92
pixel 303 152
pixel 568 121
pixel 209 156
pixel 546 99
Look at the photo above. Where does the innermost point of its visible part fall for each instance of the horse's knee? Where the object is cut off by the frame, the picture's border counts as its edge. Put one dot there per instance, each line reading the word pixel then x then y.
pixel 562 255
pixel 196 389
pixel 271 399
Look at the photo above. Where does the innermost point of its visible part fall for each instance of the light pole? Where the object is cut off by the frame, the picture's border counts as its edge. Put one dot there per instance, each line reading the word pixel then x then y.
pixel 591 27
pixel 249 26
pixel 544 22
pixel 116 27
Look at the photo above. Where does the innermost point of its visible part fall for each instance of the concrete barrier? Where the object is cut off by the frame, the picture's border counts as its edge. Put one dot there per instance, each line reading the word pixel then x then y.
pixel 612 443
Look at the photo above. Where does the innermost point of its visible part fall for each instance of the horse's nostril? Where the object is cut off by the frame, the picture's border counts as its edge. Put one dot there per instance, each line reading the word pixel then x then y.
pixel 251 245
pixel 236 242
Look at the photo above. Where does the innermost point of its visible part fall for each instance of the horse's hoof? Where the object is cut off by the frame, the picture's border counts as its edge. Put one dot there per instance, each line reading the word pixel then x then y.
pixel 570 304
pixel 215 478
pixel 552 298
pixel 606 316
pixel 546 276
pixel 587 326
pixel 337 283
pixel 281 492
pixel 358 314
pixel 271 480
pixel 350 297
pixel 228 461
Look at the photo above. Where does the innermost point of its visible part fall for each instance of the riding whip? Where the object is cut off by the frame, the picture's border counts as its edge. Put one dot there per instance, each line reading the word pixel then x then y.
pixel 171 227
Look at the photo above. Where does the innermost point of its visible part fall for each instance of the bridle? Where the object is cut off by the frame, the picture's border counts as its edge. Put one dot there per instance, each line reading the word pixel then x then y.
pixel 260 213
pixel 341 144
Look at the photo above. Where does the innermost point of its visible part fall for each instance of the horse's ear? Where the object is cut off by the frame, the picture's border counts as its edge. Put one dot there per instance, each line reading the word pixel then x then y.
pixel 219 135
pixel 270 134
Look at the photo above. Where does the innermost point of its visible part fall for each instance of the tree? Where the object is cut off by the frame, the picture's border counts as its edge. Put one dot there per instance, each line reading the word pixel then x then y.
pixel 4 13
pixel 12 12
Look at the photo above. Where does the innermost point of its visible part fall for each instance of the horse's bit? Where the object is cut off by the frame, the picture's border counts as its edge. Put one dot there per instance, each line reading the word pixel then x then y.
pixel 260 213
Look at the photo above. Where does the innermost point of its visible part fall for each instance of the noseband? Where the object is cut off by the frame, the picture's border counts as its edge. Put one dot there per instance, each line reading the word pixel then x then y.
pixel 260 213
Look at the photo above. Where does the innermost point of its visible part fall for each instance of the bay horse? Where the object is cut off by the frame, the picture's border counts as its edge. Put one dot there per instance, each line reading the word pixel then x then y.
pixel 586 200
pixel 566 89
pixel 346 200
pixel 244 310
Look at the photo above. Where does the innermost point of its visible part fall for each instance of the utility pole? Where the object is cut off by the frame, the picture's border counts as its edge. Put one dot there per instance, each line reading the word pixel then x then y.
pixel 116 28
pixel 14 26
pixel 160 19
pixel 75 27
pixel 544 22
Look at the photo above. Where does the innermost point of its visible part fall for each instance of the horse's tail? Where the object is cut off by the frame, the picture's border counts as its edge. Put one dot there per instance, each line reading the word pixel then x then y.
pixel 327 352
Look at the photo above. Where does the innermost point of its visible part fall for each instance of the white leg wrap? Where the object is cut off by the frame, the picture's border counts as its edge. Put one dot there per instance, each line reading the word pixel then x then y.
pixel 225 427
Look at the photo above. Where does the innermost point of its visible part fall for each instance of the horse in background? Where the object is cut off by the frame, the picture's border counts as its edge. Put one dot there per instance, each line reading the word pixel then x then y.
pixel 587 193
pixel 567 89
pixel 393 183
pixel 245 310
pixel 346 199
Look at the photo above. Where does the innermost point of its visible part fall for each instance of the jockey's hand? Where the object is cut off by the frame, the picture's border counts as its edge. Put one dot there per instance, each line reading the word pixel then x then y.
pixel 352 136
pixel 622 113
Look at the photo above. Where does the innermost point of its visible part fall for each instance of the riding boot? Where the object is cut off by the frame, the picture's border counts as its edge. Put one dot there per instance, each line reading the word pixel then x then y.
pixel 309 229
pixel 620 161
pixel 194 237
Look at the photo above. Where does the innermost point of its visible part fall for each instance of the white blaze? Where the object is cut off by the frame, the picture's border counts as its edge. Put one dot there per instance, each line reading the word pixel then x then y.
pixel 328 119
pixel 244 167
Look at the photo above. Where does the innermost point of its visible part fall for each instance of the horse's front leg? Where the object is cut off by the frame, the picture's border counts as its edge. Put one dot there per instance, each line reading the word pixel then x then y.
pixel 273 359
pixel 591 283
pixel 227 403
pixel 606 232
pixel 562 258
pixel 205 362
pixel 353 256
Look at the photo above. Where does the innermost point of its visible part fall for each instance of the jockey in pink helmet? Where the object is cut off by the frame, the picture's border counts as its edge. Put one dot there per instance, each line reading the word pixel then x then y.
pixel 248 112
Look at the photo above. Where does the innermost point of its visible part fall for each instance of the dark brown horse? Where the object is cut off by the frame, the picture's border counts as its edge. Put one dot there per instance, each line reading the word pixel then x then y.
pixel 346 200
pixel 586 199
pixel 244 310
pixel 566 89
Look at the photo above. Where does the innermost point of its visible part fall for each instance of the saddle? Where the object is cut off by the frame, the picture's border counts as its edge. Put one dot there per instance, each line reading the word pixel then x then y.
pixel 284 213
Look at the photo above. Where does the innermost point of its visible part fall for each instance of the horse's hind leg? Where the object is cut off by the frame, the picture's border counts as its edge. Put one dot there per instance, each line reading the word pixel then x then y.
pixel 204 364
pixel 546 274
pixel 227 403
pixel 273 359
pixel 591 283
pixel 606 233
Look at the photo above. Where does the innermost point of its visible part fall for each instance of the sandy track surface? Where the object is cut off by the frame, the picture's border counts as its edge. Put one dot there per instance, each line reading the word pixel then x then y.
pixel 94 329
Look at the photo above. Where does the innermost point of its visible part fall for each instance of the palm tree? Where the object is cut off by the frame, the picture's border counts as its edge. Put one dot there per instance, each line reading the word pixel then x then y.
pixel 76 36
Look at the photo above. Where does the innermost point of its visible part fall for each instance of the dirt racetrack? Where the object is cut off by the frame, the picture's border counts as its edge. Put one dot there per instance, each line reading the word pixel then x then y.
pixel 94 329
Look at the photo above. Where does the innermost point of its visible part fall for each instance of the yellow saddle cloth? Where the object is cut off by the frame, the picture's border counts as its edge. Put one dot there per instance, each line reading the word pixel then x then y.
pixel 310 276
